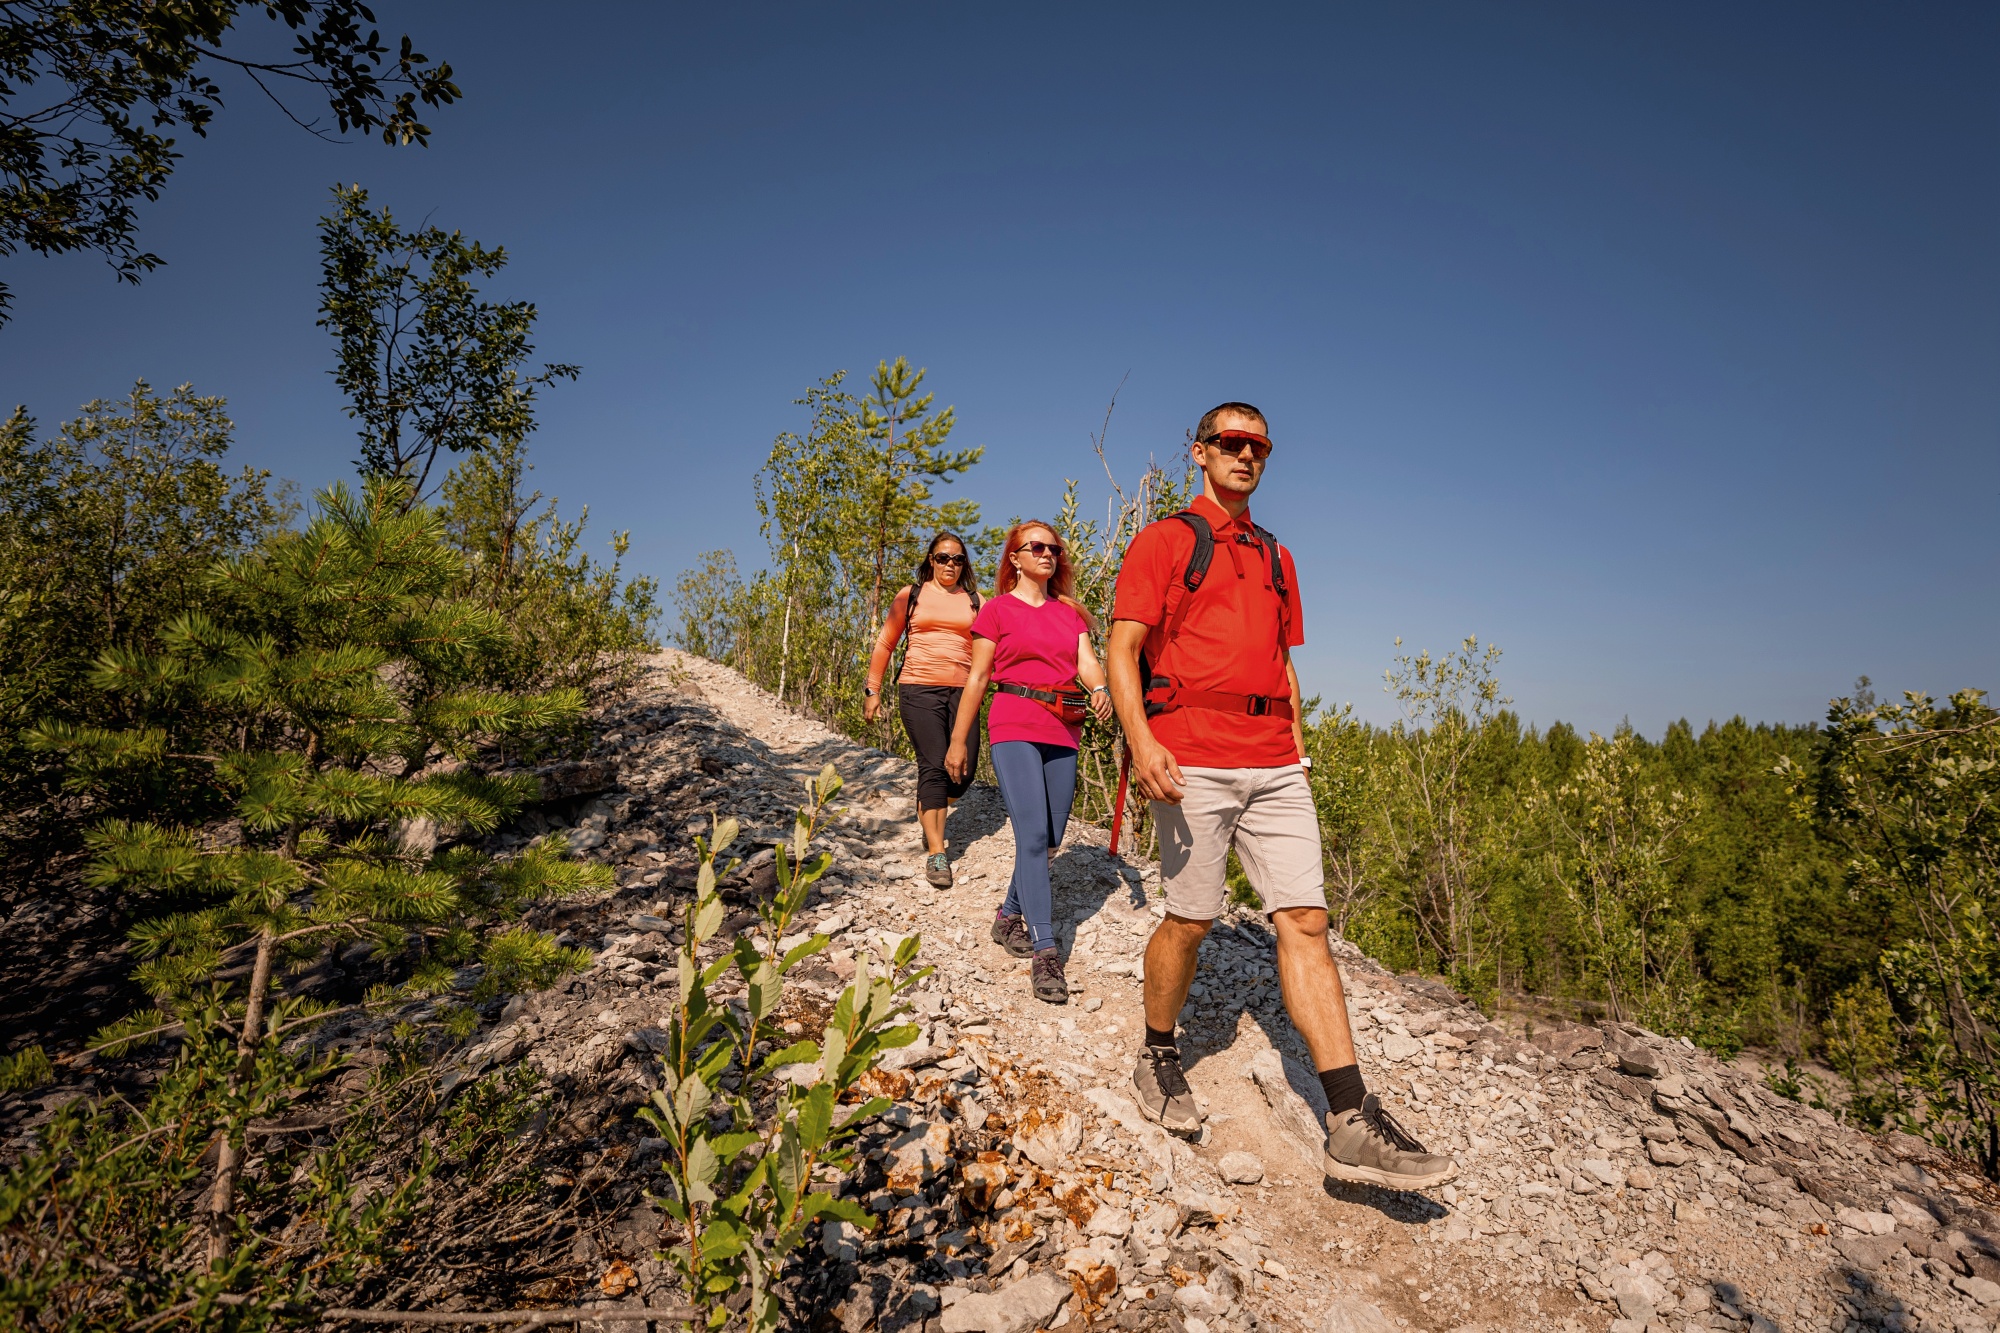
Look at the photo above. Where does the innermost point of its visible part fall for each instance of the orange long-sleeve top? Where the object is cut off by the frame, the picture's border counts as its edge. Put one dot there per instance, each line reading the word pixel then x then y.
pixel 940 651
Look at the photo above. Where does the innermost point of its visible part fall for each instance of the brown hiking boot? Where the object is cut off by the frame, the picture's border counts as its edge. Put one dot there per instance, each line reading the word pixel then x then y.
pixel 937 869
pixel 1011 934
pixel 1047 977
pixel 1164 1094
pixel 1368 1147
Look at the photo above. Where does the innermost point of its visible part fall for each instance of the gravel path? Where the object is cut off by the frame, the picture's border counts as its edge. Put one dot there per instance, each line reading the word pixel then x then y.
pixel 1609 1177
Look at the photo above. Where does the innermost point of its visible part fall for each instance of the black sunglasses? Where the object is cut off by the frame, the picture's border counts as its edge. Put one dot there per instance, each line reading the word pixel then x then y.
pixel 1049 549
pixel 1232 442
pixel 947 559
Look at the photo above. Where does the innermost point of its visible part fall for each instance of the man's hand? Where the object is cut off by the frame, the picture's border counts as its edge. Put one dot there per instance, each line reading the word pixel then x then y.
pixel 1157 775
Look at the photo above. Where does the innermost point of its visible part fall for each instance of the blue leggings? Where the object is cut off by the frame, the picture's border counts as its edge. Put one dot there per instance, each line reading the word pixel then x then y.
pixel 1037 782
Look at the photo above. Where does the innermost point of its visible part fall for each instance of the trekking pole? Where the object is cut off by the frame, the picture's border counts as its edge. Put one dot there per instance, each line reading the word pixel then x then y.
pixel 1118 806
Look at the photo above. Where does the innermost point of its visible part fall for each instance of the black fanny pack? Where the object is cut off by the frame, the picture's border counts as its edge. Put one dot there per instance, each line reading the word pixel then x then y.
pixel 1069 706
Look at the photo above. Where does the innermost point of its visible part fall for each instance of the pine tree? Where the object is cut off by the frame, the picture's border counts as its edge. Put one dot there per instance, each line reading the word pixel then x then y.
pixel 901 452
pixel 333 709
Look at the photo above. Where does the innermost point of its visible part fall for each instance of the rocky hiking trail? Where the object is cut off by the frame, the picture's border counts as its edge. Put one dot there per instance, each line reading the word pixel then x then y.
pixel 1608 1178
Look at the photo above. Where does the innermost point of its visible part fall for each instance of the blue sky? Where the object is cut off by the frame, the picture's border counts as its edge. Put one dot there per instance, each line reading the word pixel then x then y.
pixel 1657 344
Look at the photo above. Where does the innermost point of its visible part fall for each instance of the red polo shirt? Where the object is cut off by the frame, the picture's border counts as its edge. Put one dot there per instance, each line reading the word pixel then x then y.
pixel 1229 638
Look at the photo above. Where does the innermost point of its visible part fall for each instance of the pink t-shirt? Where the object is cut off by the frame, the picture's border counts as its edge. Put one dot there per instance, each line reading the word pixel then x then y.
pixel 1033 646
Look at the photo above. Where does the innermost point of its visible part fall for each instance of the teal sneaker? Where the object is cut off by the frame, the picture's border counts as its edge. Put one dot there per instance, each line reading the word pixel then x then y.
pixel 937 869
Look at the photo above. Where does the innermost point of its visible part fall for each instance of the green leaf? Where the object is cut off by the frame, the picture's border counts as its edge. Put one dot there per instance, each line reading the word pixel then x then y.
pixel 707 919
pixel 816 1116
pixel 833 1051
pixel 798 1053
pixel 821 1204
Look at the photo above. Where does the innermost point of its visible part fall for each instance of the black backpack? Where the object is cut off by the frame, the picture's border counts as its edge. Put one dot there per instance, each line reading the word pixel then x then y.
pixel 910 619
pixel 1181 595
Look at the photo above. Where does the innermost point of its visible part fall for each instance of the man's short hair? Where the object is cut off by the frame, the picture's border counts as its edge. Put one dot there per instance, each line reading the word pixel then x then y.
pixel 1206 426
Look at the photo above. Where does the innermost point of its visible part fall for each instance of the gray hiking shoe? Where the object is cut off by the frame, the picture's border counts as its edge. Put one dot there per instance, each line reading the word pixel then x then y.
pixel 1163 1090
pixel 1011 934
pixel 1047 977
pixel 938 870
pixel 1368 1147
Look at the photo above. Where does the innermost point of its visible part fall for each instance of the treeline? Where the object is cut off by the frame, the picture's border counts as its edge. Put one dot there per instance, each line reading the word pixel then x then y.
pixel 113 528
pixel 1826 892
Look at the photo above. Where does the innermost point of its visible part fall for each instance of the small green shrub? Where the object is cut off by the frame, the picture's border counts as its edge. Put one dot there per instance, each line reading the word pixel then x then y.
pixel 748 1149
pixel 25 1070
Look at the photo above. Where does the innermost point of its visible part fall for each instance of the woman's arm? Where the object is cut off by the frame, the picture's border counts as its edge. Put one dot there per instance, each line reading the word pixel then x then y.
pixel 885 644
pixel 1092 675
pixel 958 759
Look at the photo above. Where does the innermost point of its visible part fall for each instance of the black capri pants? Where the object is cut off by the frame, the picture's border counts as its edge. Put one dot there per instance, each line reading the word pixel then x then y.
pixel 929 713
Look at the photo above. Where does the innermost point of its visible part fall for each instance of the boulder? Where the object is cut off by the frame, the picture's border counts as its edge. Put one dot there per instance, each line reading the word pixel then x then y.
pixel 1867 1253
pixel 1015 1308
pixel 1351 1314
pixel 1297 1102
pixel 1240 1168
pixel 917 1154
pixel 569 778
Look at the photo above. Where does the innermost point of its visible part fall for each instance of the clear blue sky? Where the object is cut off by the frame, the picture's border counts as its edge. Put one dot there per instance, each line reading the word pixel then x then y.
pixel 1659 344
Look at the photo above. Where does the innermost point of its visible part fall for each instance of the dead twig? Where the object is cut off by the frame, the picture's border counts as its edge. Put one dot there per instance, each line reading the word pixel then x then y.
pixel 521 1319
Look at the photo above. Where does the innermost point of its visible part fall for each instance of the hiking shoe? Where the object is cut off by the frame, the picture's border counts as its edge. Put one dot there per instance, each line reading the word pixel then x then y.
pixel 1368 1147
pixel 1011 934
pixel 937 870
pixel 1164 1094
pixel 1047 977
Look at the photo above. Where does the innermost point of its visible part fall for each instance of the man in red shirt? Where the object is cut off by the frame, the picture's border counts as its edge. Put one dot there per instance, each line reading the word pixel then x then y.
pixel 1214 728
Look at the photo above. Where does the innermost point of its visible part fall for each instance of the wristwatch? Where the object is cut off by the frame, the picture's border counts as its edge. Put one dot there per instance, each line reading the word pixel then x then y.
pixel 868 691
pixel 1305 762
pixel 1099 689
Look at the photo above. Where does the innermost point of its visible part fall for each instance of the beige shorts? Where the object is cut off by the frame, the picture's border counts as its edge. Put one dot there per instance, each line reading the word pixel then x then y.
pixel 1267 813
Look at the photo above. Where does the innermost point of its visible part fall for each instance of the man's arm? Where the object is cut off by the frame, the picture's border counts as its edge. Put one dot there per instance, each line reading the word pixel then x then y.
pixel 1298 705
pixel 1153 766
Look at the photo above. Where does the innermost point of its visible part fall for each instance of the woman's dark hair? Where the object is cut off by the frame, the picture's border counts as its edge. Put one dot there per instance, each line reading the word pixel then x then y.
pixel 968 578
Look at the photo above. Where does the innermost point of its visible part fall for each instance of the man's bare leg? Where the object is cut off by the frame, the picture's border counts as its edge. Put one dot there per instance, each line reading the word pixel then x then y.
pixel 1310 983
pixel 1171 956
pixel 1162 1086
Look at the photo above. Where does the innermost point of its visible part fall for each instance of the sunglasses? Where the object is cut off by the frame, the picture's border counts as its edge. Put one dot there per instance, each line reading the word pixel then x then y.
pixel 947 559
pixel 1048 549
pixel 1232 442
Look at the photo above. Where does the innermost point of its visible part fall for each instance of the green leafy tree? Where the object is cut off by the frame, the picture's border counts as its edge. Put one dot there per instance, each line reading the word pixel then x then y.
pixel 425 363
pixel 336 710
pixel 107 532
pixel 1617 828
pixel 799 498
pixel 91 90
pixel 1347 793
pixel 1910 793
pixel 575 622
pixel 1438 830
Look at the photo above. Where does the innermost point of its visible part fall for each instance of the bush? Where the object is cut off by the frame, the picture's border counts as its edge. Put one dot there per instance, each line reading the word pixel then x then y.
pixel 746 1143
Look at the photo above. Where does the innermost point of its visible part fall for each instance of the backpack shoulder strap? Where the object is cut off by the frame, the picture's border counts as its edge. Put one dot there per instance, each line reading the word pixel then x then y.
pixel 909 619
pixel 1277 559
pixel 1277 562
pixel 1180 594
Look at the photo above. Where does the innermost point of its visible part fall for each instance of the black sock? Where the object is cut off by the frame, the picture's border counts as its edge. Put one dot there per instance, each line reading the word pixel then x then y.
pixel 1155 1037
pixel 1344 1089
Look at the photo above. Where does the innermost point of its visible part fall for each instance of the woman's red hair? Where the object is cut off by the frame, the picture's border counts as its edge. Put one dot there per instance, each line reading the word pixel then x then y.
pixel 1062 583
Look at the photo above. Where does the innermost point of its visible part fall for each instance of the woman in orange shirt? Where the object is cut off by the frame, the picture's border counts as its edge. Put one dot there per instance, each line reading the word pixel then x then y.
pixel 935 615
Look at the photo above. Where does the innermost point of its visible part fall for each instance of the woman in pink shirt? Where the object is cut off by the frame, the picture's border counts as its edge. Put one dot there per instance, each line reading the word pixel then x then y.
pixel 1033 641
